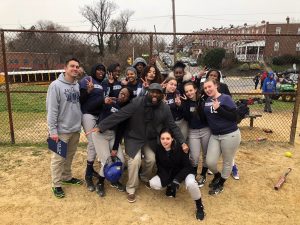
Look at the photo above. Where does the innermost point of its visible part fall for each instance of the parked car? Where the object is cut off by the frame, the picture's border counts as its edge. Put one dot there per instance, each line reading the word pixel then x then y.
pixel 193 62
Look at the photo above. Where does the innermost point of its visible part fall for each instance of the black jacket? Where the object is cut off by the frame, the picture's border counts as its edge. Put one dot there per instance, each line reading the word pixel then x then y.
pixel 144 124
pixel 171 165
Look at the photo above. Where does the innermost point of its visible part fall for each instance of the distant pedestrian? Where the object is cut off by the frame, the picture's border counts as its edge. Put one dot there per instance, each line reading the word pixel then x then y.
pixel 262 78
pixel 256 80
pixel 269 88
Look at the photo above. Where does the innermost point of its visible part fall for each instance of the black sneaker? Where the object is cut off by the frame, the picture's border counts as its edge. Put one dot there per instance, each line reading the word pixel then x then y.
pixel 169 192
pixel 118 186
pixel 73 181
pixel 200 213
pixel 100 189
pixel 89 183
pixel 215 180
pixel 58 192
pixel 201 181
pixel 218 188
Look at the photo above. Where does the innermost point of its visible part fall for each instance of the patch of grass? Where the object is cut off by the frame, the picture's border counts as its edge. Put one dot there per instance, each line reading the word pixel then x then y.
pixel 24 102
pixel 36 152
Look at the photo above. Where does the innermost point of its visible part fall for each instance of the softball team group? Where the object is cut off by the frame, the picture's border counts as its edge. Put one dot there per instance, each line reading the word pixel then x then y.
pixel 189 117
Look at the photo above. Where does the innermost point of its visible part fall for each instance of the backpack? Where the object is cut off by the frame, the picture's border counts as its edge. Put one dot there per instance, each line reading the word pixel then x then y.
pixel 242 109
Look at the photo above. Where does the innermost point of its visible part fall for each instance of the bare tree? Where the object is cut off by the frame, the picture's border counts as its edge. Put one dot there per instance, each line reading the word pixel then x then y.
pixel 99 16
pixel 119 25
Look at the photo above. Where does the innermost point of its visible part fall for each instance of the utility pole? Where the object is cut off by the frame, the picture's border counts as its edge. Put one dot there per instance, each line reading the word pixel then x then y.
pixel 174 31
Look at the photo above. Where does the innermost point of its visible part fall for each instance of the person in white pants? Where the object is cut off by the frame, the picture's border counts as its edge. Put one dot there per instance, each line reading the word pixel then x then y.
pixel 174 166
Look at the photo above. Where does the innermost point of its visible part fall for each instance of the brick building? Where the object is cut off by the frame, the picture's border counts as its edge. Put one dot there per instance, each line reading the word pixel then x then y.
pixel 19 61
pixel 250 43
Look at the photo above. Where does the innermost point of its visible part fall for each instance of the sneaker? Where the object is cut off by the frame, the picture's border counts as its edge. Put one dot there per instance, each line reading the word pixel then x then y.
pixel 215 180
pixel 100 189
pixel 201 181
pixel 131 198
pixel 200 214
pixel 169 192
pixel 216 189
pixel 73 181
pixel 235 173
pixel 118 186
pixel 89 183
pixel 58 192
pixel 209 172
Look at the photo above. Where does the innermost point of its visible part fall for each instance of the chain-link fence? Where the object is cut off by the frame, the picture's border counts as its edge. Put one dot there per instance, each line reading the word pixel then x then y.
pixel 32 59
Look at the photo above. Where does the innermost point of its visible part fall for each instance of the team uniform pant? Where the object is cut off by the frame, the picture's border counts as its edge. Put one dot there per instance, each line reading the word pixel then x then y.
pixel 134 165
pixel 198 139
pixel 183 126
pixel 60 166
pixel 190 184
pixel 225 145
pixel 88 123
pixel 103 144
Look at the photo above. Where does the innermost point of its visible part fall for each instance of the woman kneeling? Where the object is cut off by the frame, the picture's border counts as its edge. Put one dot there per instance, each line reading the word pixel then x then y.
pixel 174 166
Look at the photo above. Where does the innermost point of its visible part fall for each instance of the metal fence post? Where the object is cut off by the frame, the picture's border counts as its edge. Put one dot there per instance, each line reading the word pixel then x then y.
pixel 11 125
pixel 151 46
pixel 295 114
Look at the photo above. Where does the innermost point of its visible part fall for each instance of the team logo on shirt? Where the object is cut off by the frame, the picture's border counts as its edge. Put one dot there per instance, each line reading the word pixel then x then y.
pixel 98 86
pixel 117 87
pixel 170 101
pixel 113 109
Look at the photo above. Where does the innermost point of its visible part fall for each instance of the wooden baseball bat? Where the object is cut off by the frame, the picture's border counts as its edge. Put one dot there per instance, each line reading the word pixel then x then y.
pixel 281 180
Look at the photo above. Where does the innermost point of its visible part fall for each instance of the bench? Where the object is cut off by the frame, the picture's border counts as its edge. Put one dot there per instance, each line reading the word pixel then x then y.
pixel 252 117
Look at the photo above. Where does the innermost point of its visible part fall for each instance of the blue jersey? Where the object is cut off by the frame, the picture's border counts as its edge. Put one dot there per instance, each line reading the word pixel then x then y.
pixel 95 99
pixel 193 113
pixel 217 122
pixel 176 111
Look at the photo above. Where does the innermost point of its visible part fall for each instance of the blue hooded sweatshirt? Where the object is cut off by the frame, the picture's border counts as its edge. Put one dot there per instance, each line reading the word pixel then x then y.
pixel 269 85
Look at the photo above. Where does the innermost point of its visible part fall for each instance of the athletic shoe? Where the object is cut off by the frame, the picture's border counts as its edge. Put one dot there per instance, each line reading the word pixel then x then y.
pixel 235 173
pixel 100 189
pixel 73 181
pixel 169 191
pixel 209 172
pixel 201 181
pixel 216 189
pixel 215 180
pixel 131 198
pixel 89 183
pixel 200 214
pixel 118 186
pixel 58 192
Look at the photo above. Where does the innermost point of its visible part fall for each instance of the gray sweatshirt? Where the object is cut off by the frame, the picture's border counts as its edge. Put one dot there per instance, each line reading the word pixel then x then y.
pixel 63 107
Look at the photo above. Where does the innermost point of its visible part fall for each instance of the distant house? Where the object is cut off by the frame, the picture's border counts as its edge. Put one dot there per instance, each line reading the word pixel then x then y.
pixel 251 43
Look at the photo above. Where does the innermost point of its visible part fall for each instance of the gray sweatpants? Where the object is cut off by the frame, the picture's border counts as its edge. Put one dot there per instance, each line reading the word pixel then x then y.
pixel 103 144
pixel 198 139
pixel 183 126
pixel 88 122
pixel 225 145
pixel 190 184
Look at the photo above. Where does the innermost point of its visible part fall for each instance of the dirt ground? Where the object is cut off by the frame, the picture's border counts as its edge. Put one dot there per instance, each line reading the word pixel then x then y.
pixel 26 197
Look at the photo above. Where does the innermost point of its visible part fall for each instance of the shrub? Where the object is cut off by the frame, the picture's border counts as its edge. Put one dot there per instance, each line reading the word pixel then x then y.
pixel 285 59
pixel 255 66
pixel 213 58
pixel 244 67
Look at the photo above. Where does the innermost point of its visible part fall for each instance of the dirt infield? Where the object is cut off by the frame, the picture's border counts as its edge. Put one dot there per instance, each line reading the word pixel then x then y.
pixel 26 197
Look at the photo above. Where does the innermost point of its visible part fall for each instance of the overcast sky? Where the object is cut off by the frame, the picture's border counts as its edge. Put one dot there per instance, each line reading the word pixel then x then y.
pixel 191 14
